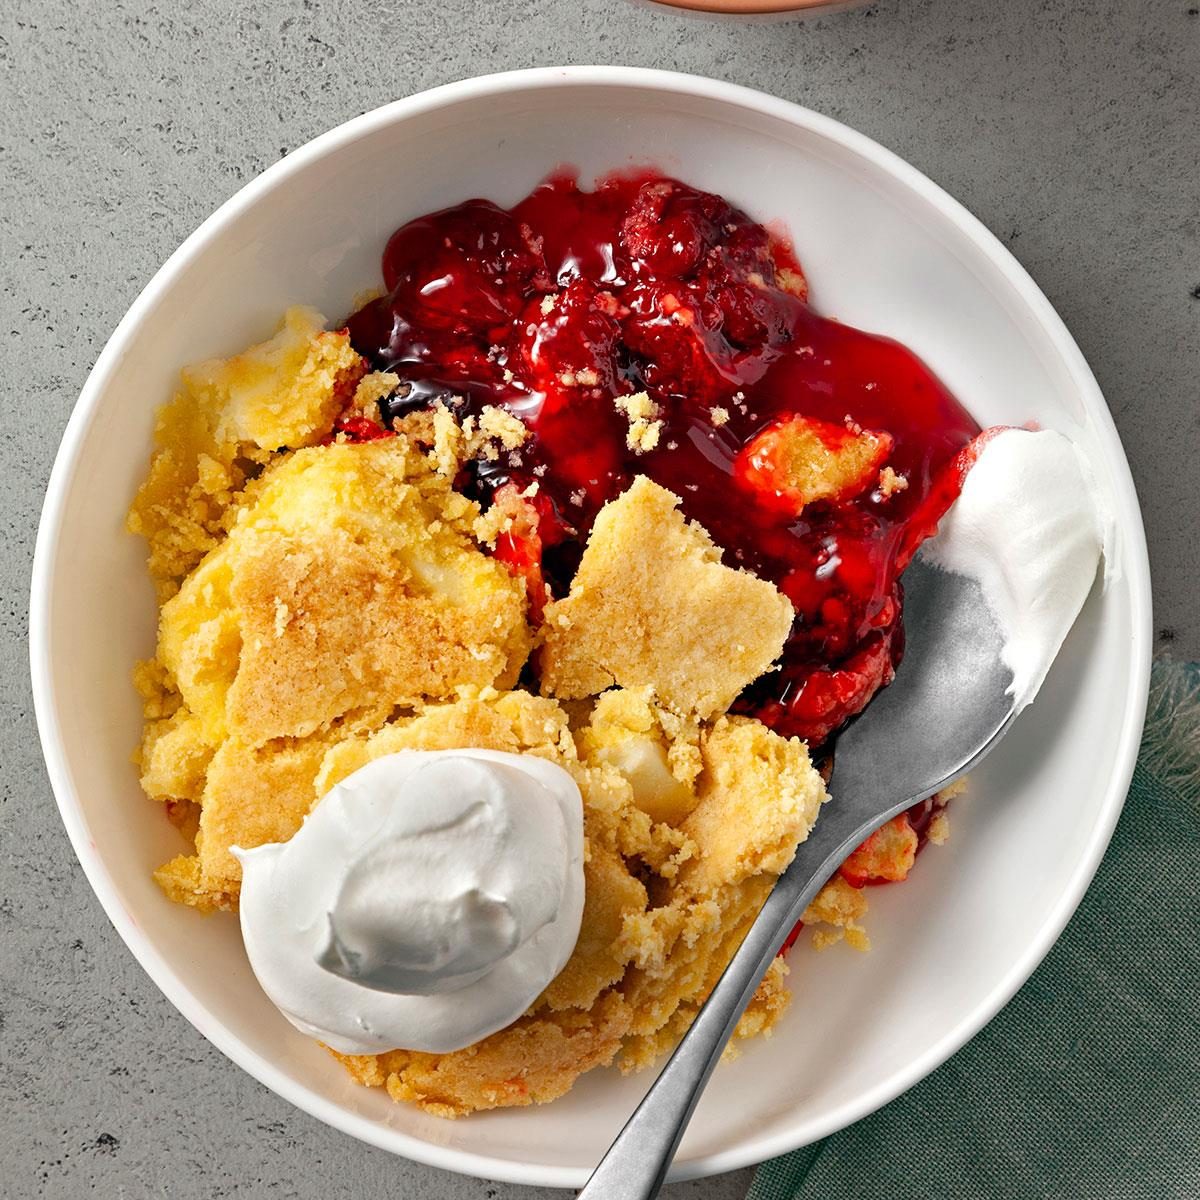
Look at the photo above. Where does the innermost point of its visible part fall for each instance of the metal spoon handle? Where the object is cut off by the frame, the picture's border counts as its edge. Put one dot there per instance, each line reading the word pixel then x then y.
pixel 636 1163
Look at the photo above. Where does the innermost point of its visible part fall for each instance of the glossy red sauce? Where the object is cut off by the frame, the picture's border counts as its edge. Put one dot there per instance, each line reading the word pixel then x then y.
pixel 573 297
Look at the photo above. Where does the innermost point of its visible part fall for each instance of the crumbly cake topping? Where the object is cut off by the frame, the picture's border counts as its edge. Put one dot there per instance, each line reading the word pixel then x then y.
pixel 487 436
pixel 791 281
pixel 328 599
pixel 371 389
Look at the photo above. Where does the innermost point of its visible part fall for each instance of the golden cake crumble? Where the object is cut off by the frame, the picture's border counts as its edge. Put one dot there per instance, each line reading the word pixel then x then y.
pixel 665 901
pixel 349 581
pixel 225 422
pixel 328 599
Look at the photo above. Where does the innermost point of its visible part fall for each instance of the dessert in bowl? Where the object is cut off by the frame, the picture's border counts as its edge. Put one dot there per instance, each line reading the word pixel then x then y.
pixel 575 661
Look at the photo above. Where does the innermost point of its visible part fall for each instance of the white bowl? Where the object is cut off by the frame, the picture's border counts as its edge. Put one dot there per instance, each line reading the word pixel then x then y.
pixel 884 249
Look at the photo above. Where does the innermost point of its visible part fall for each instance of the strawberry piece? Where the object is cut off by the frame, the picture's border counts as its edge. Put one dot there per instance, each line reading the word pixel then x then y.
pixel 886 856
pixel 357 429
pixel 791 939
pixel 670 227
pixel 520 546
pixel 800 460
pixel 826 698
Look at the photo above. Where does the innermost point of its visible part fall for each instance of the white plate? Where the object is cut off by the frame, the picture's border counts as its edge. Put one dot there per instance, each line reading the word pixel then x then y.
pixel 884 249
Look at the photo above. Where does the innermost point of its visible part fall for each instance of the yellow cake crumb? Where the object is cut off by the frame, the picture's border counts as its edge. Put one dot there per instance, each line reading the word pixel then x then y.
pixel 789 280
pixel 939 829
pixel 890 483
pixel 838 911
pixel 486 436
pixel 371 389
pixel 887 855
pixel 656 750
pixel 645 424
pixel 174 757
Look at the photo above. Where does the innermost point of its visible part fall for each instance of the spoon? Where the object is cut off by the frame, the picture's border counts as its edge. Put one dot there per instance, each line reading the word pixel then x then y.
pixel 947 707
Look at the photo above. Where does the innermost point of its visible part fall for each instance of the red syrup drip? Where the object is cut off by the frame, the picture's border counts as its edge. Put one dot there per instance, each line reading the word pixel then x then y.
pixel 555 307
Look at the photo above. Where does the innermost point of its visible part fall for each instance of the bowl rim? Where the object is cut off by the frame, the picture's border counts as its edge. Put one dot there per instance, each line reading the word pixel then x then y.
pixel 46 700
pixel 755 8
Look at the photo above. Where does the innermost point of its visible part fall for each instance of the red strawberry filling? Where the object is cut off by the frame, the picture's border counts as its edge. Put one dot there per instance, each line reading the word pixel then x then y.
pixel 816 455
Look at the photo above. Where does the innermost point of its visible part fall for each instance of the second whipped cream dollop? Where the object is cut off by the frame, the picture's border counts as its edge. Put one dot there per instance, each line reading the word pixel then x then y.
pixel 425 903
pixel 1027 525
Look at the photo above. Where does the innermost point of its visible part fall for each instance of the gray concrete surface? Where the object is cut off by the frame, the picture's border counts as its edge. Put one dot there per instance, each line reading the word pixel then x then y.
pixel 1068 126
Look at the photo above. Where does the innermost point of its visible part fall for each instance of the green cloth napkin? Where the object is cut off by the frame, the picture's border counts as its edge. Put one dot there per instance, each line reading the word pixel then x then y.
pixel 1088 1084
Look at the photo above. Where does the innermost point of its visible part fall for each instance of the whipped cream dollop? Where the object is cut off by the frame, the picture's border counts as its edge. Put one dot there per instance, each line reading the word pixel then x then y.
pixel 425 903
pixel 1028 526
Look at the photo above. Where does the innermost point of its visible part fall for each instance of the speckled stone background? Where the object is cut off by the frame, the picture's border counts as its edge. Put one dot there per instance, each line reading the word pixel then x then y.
pixel 1069 126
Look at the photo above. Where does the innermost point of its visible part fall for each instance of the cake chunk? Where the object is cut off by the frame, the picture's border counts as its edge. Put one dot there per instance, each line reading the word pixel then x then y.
pixel 350 581
pixel 514 722
pixel 759 798
pixel 800 460
pixel 655 750
pixel 228 419
pixel 652 606
pixel 283 392
pixel 174 757
pixel 533 1061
